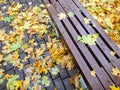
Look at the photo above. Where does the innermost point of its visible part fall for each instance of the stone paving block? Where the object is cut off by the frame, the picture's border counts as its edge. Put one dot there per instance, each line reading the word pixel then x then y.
pixel 67 84
pixel 10 1
pixel 20 73
pixel 72 72
pixel 20 50
pixel 22 56
pixel 3 85
pixel 41 42
pixel 51 87
pixel 8 29
pixel 25 6
pixel 25 39
pixel 59 84
pixel 46 53
pixel 31 61
pixel 6 23
pixel 1 24
pixel 63 73
pixel 22 1
pixel 38 38
pixel 9 66
pixel 11 71
pixel 18 1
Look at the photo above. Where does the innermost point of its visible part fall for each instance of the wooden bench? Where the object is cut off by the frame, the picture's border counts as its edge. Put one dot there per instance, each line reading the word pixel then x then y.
pixel 89 57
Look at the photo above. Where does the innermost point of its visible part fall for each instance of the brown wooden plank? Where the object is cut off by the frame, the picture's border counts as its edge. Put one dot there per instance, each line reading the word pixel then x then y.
pixel 99 29
pixel 91 80
pixel 100 43
pixel 74 35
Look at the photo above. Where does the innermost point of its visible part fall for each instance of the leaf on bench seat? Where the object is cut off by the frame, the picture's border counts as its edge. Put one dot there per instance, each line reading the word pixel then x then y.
pixel 113 87
pixel 93 73
pixel 86 20
pixel 70 14
pixel 89 39
pixel 62 16
pixel 116 71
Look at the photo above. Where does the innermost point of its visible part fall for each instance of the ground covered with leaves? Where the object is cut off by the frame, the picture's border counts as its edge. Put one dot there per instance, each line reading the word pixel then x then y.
pixel 107 14
pixel 29 44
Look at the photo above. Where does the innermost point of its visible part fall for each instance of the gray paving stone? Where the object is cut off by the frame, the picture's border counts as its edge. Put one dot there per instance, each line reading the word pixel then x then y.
pixel 20 73
pixel 1 24
pixel 51 87
pixel 67 84
pixel 9 66
pixel 18 1
pixel 22 1
pixel 31 61
pixel 59 84
pixel 11 71
pixel 63 73
pixel 25 39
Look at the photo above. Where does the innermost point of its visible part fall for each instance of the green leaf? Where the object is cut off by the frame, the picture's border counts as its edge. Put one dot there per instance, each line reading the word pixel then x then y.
pixel 8 19
pixel 27 25
pixel 78 38
pixel 12 82
pixel 70 14
pixel 89 39
pixel 45 81
pixel 54 70
pixel 1 80
pixel 15 46
pixel 44 31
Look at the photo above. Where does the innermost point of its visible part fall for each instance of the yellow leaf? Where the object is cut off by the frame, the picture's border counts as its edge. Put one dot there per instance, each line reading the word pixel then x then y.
pixel 86 20
pixel 62 16
pixel 112 53
pixel 116 71
pixel 93 73
pixel 6 76
pixel 114 87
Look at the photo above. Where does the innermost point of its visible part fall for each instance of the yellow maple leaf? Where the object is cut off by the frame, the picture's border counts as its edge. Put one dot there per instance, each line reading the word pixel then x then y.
pixel 116 71
pixel 93 73
pixel 6 76
pixel 113 87
pixel 112 53
pixel 86 20
pixel 62 16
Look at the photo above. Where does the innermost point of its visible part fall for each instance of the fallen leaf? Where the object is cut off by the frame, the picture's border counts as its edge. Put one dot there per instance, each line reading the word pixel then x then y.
pixel 45 81
pixel 70 14
pixel 93 73
pixel 116 71
pixel 62 16
pixel 54 70
pixel 8 19
pixel 86 20
pixel 112 53
pixel 113 87
pixel 15 46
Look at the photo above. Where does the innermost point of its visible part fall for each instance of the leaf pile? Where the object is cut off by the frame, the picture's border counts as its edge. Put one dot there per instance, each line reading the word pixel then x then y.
pixel 107 14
